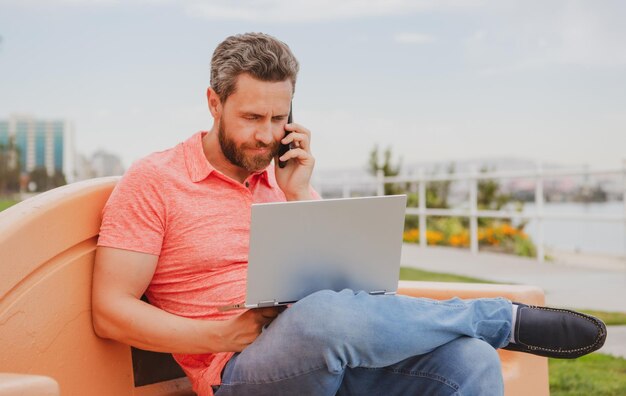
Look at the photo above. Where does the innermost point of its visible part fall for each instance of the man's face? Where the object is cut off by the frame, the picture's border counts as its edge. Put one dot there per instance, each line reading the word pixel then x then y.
pixel 250 156
pixel 252 122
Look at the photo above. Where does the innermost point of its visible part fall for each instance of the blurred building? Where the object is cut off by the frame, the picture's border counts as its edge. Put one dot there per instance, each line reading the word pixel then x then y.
pixel 100 164
pixel 84 170
pixel 40 144
pixel 106 164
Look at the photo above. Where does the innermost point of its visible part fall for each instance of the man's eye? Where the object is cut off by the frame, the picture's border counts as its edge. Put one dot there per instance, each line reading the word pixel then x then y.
pixel 251 117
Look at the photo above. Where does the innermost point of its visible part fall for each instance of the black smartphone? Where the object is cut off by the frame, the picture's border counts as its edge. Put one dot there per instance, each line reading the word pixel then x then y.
pixel 285 147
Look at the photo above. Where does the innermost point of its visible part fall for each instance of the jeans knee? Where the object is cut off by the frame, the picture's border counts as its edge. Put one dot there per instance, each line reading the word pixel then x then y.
pixel 323 315
pixel 483 355
pixel 479 366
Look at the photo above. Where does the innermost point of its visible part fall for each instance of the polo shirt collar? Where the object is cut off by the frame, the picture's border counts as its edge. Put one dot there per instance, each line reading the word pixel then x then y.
pixel 265 177
pixel 199 168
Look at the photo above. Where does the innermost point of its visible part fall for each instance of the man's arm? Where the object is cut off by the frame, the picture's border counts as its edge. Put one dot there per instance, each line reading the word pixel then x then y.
pixel 121 277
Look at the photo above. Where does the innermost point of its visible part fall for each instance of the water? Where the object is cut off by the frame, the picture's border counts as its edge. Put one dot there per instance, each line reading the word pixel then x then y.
pixel 581 236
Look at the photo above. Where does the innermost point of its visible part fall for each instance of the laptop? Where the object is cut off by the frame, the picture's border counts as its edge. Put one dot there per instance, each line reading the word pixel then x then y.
pixel 300 247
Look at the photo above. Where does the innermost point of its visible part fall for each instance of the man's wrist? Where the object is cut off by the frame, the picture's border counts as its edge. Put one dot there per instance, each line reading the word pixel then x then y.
pixel 299 196
pixel 214 335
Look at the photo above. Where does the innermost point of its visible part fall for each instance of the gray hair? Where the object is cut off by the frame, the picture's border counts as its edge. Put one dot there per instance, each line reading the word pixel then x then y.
pixel 262 56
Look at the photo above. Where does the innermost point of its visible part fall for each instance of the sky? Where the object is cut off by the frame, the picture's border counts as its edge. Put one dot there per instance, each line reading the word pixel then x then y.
pixel 433 80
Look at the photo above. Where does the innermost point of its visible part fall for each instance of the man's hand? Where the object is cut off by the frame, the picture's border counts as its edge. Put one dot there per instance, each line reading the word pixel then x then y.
pixel 240 331
pixel 294 179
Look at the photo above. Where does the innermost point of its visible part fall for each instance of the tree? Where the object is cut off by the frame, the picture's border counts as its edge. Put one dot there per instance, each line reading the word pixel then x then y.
pixel 39 176
pixel 489 195
pixel 9 169
pixel 389 170
pixel 58 179
pixel 491 198
pixel 43 181
pixel 437 192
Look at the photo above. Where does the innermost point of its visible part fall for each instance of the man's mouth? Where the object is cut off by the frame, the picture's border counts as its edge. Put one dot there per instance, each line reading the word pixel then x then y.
pixel 259 150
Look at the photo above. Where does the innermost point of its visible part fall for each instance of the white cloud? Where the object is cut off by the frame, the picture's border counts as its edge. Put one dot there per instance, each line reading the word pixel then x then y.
pixel 590 35
pixel 477 36
pixel 58 3
pixel 315 10
pixel 273 10
pixel 413 38
pixel 521 37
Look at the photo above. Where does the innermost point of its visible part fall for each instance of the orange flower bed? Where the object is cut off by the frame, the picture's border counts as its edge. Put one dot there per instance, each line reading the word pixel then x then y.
pixel 499 234
pixel 412 235
pixel 460 240
pixel 434 237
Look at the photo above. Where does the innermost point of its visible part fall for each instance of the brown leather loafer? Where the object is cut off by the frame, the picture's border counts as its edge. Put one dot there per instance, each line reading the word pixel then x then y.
pixel 556 333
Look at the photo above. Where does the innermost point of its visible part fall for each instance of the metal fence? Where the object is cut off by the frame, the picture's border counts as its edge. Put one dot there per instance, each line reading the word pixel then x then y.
pixel 539 175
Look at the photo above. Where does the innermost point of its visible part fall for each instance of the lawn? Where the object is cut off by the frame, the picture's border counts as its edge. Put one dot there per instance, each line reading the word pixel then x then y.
pixel 5 203
pixel 418 274
pixel 595 374
pixel 609 318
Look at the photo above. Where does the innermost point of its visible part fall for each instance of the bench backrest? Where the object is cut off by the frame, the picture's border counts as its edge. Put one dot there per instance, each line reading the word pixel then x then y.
pixel 47 250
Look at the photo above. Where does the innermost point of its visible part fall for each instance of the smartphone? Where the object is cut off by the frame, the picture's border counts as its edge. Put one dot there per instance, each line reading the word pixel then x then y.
pixel 285 147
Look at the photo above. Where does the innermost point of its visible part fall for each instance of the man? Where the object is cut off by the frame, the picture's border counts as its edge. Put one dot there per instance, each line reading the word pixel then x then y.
pixel 176 227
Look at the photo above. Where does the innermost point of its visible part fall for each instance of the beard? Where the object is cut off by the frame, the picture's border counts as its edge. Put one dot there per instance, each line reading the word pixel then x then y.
pixel 236 155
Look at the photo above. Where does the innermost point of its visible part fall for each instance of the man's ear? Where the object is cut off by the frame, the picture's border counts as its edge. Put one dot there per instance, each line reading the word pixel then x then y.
pixel 215 104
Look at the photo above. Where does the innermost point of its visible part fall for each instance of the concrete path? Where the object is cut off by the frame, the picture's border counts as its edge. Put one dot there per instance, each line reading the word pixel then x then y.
pixel 566 285
pixel 615 341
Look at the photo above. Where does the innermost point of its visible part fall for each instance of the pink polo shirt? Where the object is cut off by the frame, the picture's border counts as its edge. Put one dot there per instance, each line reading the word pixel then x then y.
pixel 175 205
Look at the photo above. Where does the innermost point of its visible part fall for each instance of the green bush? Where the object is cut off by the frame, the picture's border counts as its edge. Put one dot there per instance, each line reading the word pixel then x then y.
pixel 524 246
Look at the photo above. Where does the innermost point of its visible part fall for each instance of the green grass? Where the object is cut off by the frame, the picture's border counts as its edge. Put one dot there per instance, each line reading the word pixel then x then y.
pixel 609 318
pixel 421 275
pixel 595 374
pixel 5 203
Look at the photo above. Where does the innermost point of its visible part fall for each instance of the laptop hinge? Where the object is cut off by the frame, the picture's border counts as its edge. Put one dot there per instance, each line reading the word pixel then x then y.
pixel 267 303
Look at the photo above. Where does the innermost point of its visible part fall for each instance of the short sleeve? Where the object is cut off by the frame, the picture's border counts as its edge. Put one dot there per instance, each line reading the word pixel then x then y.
pixel 134 216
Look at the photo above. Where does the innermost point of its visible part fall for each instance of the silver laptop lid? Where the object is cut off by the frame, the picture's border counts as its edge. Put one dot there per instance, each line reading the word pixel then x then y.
pixel 297 248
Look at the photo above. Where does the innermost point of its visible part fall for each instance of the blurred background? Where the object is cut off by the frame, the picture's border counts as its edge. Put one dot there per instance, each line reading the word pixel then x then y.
pixel 504 122
pixel 406 87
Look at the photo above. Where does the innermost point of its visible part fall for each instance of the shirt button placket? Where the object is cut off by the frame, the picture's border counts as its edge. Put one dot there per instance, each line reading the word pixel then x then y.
pixel 248 193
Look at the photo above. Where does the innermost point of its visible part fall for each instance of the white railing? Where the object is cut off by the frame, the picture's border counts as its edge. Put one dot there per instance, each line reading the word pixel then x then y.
pixel 472 212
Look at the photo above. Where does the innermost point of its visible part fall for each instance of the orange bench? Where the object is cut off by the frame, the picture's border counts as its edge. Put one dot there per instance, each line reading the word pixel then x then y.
pixel 47 248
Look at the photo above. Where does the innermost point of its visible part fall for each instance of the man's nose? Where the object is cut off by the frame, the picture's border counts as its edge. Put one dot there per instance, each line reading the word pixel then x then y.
pixel 264 133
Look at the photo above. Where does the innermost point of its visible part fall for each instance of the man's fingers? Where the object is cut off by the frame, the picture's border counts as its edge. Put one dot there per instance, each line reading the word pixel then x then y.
pixel 261 320
pixel 298 140
pixel 296 153
pixel 293 127
pixel 251 323
pixel 300 137
pixel 270 312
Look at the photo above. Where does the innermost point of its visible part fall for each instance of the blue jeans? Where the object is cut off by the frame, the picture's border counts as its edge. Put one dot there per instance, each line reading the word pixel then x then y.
pixel 356 344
